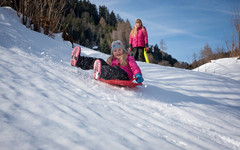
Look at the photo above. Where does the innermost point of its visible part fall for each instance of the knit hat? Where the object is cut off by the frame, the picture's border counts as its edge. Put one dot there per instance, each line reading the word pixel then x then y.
pixel 117 44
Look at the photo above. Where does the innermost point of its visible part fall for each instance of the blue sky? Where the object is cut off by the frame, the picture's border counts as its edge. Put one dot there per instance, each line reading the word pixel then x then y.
pixel 185 25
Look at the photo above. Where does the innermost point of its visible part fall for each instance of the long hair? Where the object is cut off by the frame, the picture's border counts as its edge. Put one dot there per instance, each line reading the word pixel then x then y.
pixel 123 59
pixel 134 30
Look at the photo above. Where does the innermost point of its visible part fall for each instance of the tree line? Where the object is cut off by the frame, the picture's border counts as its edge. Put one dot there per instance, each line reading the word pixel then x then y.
pixel 37 14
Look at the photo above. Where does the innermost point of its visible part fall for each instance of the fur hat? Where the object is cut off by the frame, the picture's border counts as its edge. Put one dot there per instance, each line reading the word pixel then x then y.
pixel 117 44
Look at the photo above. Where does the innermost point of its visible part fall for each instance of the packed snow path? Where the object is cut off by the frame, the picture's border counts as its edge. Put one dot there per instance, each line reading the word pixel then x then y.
pixel 47 104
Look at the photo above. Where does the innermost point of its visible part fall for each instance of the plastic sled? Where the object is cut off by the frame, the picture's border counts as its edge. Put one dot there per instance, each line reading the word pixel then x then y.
pixel 124 83
pixel 146 56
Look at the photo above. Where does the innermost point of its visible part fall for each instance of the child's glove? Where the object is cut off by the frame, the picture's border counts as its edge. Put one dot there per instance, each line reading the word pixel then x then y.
pixel 139 78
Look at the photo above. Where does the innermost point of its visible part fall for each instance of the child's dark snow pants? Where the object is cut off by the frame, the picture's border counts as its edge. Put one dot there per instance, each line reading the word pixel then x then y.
pixel 107 72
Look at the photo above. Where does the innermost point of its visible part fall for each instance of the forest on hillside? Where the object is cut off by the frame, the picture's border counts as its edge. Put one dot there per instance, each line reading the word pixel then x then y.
pixel 80 21
pixel 83 23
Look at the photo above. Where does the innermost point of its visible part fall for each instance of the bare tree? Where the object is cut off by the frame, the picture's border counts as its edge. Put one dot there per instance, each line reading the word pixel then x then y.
pixel 234 45
pixel 150 57
pixel 40 13
pixel 128 29
pixel 55 13
pixel 122 32
pixel 206 53
pixel 236 22
pixel 163 47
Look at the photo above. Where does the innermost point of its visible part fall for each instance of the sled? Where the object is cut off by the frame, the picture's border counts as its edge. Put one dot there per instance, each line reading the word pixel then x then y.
pixel 123 83
pixel 145 55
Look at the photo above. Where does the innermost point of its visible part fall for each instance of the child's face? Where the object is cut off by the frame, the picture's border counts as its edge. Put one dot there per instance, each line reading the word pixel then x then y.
pixel 118 52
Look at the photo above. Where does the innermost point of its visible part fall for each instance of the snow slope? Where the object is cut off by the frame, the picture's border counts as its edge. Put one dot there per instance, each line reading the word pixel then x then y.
pixel 227 67
pixel 47 104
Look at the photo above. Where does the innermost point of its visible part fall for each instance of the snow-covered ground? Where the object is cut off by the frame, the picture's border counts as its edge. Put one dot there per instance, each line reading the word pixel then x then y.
pixel 47 104
pixel 227 67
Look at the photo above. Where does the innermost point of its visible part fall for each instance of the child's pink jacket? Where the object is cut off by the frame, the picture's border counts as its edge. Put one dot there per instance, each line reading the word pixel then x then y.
pixel 131 68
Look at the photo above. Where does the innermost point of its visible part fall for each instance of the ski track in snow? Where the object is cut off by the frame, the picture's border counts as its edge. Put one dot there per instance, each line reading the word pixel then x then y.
pixel 47 104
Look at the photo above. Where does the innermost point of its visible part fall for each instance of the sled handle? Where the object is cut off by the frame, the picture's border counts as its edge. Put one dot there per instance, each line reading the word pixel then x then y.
pixel 133 79
pixel 136 79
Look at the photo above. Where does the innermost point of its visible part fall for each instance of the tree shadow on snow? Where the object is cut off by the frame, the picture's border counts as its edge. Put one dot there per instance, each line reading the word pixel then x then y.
pixel 172 97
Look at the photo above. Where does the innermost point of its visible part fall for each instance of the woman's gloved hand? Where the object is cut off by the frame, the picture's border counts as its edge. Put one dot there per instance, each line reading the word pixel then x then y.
pixel 130 47
pixel 146 47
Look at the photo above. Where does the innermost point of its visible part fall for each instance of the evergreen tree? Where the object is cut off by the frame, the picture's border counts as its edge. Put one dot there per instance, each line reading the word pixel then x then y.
pixel 105 47
pixel 103 12
pixel 113 20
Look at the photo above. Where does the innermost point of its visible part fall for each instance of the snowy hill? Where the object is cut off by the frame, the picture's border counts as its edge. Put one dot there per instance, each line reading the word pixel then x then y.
pixel 227 67
pixel 47 104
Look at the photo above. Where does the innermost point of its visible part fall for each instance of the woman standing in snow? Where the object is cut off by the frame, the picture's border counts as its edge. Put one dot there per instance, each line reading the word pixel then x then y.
pixel 119 65
pixel 138 40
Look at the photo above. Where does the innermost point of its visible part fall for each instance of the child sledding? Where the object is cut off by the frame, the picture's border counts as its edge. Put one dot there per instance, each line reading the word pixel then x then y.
pixel 120 66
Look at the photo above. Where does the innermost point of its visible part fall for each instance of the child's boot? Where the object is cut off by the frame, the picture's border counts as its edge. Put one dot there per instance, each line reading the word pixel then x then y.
pixel 97 69
pixel 75 55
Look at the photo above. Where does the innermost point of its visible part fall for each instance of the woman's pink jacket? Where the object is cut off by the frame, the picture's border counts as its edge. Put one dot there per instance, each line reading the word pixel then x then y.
pixel 140 39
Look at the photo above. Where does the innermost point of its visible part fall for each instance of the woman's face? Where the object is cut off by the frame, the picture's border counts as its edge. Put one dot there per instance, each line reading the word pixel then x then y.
pixel 118 52
pixel 138 24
